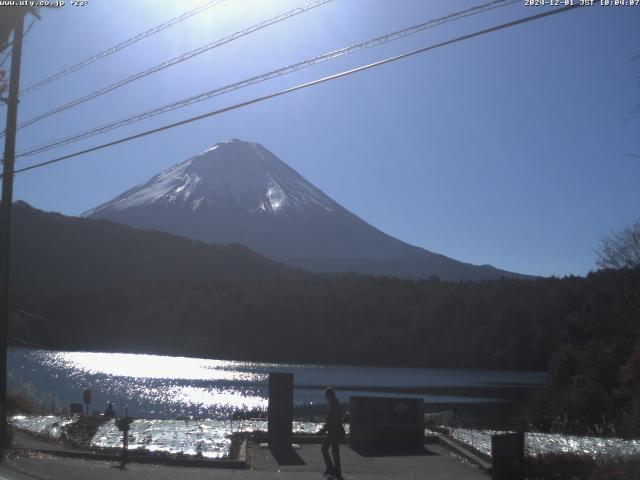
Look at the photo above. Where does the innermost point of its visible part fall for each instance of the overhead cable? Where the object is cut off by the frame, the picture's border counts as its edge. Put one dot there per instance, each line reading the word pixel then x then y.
pixel 362 68
pixel 173 61
pixel 263 77
pixel 120 46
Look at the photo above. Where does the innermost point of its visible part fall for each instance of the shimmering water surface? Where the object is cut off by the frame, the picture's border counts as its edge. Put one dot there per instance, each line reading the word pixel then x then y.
pixel 156 387
pixel 542 443
pixel 210 438
pixel 207 438
pixel 185 405
pixel 48 425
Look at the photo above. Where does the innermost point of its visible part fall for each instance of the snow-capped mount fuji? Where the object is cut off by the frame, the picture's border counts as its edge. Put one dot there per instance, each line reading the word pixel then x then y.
pixel 240 192
pixel 235 176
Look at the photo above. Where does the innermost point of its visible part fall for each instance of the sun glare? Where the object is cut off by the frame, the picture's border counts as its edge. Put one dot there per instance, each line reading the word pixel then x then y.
pixel 152 366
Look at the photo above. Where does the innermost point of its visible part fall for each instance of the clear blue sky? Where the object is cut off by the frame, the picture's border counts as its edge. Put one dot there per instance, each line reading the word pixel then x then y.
pixel 511 149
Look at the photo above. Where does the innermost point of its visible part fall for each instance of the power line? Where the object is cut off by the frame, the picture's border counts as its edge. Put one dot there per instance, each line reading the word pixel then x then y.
pixel 174 61
pixel 120 46
pixel 303 86
pixel 265 76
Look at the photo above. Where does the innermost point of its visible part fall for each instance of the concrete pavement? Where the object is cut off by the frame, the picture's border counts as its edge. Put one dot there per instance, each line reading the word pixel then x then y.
pixel 434 462
pixel 304 464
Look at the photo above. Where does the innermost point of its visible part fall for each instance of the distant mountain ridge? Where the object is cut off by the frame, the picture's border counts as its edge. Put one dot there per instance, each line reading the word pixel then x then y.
pixel 51 251
pixel 240 192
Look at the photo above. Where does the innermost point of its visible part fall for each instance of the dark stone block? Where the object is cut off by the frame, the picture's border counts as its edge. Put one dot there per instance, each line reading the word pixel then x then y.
pixel 387 424
pixel 280 410
pixel 507 453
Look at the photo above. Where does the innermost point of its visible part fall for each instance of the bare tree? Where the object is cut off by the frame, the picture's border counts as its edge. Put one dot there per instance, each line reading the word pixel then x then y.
pixel 620 249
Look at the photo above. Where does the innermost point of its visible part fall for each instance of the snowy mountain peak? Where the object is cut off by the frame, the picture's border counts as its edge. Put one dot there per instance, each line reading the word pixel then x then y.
pixel 236 176
pixel 240 192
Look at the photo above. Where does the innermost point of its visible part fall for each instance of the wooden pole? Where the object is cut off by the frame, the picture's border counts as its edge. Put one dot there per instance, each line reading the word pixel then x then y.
pixel 5 222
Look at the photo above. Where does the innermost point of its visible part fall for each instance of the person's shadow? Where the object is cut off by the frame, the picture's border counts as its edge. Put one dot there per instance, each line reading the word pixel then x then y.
pixel 390 451
pixel 286 455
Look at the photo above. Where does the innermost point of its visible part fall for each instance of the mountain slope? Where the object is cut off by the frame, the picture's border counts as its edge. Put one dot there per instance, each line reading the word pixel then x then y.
pixel 50 251
pixel 239 191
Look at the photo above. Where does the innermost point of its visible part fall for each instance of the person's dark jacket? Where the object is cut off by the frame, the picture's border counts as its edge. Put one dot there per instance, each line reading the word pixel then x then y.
pixel 333 427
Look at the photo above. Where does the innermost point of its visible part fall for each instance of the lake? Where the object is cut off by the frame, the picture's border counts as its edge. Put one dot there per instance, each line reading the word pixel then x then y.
pixel 164 387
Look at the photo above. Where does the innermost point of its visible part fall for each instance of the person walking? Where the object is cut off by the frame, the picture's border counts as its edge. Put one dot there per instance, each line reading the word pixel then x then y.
pixel 335 432
pixel 109 412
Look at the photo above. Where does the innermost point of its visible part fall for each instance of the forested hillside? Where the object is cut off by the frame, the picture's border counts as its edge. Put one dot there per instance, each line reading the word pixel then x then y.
pixel 53 251
pixel 346 318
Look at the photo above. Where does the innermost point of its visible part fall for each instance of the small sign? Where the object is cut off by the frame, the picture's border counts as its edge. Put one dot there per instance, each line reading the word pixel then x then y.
pixel 86 395
pixel 123 424
pixel 76 408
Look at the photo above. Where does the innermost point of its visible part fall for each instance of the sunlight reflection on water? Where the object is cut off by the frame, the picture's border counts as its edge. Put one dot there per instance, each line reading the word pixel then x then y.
pixel 153 366
pixel 152 385
pixel 208 438
pixel 156 386
pixel 211 438
pixel 209 399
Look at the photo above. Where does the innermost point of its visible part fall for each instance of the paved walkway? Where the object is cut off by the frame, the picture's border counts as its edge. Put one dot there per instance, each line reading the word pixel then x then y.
pixel 305 463
pixel 434 462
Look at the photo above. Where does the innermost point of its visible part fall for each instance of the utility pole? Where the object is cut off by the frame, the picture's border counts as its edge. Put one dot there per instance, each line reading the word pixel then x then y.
pixel 5 221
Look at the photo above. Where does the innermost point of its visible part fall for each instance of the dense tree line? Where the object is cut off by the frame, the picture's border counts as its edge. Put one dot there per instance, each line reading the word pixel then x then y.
pixel 347 318
pixel 594 384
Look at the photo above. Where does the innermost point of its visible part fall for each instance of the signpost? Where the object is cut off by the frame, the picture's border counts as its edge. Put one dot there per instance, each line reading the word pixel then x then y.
pixel 124 424
pixel 86 398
